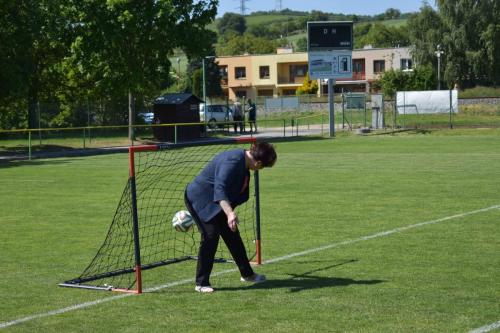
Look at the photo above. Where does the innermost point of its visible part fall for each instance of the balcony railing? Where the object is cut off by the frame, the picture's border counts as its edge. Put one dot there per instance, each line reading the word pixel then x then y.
pixel 358 76
pixel 287 80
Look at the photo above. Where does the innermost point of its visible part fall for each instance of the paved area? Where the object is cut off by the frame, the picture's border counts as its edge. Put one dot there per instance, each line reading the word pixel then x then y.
pixel 263 133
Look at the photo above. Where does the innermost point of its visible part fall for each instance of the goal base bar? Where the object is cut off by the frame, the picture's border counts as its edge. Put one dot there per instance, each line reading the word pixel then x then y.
pixel 78 283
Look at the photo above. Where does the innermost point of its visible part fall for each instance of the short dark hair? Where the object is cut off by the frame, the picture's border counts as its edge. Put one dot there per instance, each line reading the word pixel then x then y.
pixel 265 153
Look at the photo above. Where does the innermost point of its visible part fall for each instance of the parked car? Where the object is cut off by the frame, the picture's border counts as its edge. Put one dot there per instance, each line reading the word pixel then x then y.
pixel 217 114
pixel 147 117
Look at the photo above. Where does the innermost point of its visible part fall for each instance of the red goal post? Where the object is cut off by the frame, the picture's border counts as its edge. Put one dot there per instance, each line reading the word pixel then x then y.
pixel 158 175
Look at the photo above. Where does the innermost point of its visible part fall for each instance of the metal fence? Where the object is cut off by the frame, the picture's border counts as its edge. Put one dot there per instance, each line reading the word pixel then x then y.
pixel 293 116
pixel 53 142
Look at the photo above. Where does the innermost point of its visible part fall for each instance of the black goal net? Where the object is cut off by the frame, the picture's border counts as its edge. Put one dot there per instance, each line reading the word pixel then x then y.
pixel 141 235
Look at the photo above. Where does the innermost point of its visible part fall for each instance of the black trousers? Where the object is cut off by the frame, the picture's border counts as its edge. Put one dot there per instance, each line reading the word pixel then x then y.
pixel 211 231
pixel 239 121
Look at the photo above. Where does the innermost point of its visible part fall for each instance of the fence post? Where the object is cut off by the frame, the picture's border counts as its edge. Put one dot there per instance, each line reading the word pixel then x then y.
pixel 284 127
pixel 343 109
pixel 364 103
pixel 29 145
pixel 322 119
pixel 451 109
pixel 84 138
pixel 175 133
pixel 394 110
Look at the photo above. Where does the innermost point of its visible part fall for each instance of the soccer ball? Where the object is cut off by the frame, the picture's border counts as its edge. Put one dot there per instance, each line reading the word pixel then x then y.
pixel 182 221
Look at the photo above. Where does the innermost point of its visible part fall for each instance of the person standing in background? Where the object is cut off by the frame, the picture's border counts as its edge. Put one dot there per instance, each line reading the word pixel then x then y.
pixel 238 116
pixel 252 115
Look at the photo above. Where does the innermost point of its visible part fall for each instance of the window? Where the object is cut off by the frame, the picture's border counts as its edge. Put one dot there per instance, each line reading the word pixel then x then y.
pixel 288 92
pixel 358 66
pixel 241 93
pixel 223 75
pixel 378 66
pixel 264 72
pixel 298 70
pixel 406 64
pixel 240 72
pixel 223 71
pixel 265 92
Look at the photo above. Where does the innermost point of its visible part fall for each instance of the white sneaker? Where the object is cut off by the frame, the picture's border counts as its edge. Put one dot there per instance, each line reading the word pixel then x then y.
pixel 255 278
pixel 204 289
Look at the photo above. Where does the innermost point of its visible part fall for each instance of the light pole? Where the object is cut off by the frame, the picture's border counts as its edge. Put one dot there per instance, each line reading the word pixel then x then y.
pixel 438 54
pixel 205 89
pixel 178 74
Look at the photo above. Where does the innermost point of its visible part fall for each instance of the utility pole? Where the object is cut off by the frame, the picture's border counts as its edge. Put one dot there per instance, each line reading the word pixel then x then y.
pixel 243 8
pixel 279 5
pixel 438 54
pixel 179 74
pixel 205 87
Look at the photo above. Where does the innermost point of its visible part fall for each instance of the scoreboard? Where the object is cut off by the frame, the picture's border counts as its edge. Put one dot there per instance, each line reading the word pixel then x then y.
pixel 327 35
pixel 329 49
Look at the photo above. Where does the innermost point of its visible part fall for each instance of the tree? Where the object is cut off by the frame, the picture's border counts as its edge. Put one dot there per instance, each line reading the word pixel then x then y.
pixel 232 22
pixel 469 34
pixel 472 41
pixel 197 83
pixel 426 29
pixel 34 36
pixel 301 44
pixel 123 45
pixel 421 78
pixel 212 78
pixel 380 35
pixel 248 44
pixel 392 13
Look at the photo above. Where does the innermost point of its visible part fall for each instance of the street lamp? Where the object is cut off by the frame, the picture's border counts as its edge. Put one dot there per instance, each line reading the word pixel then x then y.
pixel 205 89
pixel 178 74
pixel 438 54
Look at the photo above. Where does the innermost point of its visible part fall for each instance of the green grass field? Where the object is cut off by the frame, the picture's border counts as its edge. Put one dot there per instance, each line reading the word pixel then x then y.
pixel 386 233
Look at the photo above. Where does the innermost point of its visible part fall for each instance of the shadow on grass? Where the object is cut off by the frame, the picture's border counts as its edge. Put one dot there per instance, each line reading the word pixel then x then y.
pixel 17 163
pixel 23 150
pixel 403 131
pixel 307 281
pixel 294 139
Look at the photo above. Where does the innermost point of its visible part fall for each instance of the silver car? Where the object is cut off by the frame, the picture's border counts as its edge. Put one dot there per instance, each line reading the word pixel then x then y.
pixel 217 115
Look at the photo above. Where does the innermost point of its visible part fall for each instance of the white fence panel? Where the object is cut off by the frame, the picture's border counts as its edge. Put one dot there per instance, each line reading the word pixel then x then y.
pixel 282 103
pixel 434 101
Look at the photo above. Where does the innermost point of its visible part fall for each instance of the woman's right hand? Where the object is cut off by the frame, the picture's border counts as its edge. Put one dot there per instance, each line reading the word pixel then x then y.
pixel 232 221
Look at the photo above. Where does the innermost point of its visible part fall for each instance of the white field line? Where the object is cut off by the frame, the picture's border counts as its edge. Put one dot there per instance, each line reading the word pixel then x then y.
pixel 487 328
pixel 270 261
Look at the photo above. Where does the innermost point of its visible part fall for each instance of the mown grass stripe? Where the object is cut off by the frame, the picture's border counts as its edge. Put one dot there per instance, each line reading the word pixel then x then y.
pixel 483 329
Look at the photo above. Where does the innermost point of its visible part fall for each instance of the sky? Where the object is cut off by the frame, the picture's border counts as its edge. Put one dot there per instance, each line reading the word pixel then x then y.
pixel 359 7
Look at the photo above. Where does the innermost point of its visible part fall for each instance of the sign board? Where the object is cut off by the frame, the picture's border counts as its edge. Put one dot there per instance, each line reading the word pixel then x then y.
pixel 330 64
pixel 329 47
pixel 328 35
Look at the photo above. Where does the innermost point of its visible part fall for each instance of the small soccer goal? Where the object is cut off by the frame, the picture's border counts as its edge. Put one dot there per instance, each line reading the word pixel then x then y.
pixel 141 235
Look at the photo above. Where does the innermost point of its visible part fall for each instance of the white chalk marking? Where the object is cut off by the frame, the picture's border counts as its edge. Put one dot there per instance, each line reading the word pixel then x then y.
pixel 487 328
pixel 270 261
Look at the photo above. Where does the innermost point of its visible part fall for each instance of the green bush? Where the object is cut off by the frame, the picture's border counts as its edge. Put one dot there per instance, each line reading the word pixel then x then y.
pixel 479 91
pixel 480 110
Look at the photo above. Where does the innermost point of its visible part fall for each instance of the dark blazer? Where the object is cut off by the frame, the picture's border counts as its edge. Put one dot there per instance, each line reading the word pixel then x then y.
pixel 222 179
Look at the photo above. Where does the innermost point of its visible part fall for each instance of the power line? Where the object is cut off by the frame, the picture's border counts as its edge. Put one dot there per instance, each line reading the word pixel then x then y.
pixel 243 7
pixel 279 5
